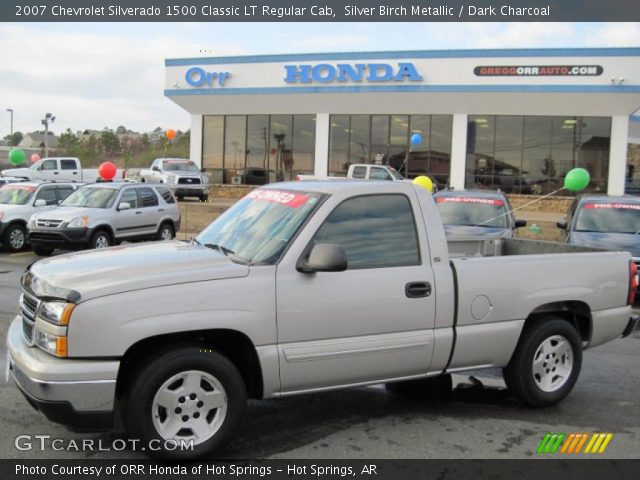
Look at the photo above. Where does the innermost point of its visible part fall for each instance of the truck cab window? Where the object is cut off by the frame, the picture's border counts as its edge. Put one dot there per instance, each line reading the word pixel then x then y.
pixel 49 165
pixel 68 164
pixel 374 230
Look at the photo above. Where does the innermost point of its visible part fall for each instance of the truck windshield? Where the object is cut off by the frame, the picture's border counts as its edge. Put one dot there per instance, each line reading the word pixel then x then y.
pixel 179 166
pixel 91 198
pixel 258 228
pixel 472 211
pixel 16 194
pixel 609 218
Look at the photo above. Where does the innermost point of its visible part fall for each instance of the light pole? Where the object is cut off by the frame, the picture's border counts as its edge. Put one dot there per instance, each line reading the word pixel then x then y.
pixel 10 110
pixel 45 121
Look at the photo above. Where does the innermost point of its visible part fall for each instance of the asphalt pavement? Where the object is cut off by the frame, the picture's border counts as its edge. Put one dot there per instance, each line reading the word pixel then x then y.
pixel 481 420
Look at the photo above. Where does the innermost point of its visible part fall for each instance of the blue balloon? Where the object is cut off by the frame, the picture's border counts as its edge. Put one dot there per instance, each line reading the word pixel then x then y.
pixel 416 139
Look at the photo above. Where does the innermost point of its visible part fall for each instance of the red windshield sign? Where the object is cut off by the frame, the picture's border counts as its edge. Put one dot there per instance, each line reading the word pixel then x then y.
pixel 626 206
pixel 483 201
pixel 289 199
pixel 28 188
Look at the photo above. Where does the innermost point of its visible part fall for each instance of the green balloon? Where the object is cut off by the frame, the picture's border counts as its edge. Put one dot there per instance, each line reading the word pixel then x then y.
pixel 17 156
pixel 576 179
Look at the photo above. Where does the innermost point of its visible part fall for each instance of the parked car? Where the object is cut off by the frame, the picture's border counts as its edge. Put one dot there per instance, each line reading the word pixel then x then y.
pixel 183 177
pixel 20 200
pixel 477 213
pixel 363 171
pixel 601 221
pixel 7 180
pixel 304 287
pixel 59 169
pixel 104 214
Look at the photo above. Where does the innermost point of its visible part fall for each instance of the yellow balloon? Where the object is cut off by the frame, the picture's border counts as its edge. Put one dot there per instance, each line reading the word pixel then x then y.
pixel 424 182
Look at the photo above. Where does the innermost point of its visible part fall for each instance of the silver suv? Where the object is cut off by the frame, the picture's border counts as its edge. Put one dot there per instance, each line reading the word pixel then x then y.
pixel 104 214
pixel 18 201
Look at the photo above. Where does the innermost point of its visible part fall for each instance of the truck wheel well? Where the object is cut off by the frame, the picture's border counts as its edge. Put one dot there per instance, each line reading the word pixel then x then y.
pixel 575 312
pixel 232 344
pixel 106 228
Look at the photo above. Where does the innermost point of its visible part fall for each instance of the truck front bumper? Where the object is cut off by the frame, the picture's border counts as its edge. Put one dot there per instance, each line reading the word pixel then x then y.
pixel 186 190
pixel 77 393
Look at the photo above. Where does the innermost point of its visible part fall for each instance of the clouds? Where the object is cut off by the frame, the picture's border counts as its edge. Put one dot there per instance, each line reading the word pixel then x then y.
pixel 92 75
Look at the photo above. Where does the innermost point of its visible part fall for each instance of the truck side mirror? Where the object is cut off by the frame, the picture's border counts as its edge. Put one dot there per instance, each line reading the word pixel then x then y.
pixel 521 223
pixel 324 257
pixel 124 206
pixel 41 202
pixel 562 224
pixel 155 168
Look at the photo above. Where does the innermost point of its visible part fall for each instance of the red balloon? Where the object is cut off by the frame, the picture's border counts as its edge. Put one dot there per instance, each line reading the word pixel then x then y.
pixel 273 151
pixel 171 134
pixel 35 157
pixel 107 170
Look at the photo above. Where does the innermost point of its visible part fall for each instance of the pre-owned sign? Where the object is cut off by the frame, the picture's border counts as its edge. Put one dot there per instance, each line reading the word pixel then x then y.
pixel 538 70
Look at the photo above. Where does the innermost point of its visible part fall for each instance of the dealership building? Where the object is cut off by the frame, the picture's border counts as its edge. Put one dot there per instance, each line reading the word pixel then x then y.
pixel 516 120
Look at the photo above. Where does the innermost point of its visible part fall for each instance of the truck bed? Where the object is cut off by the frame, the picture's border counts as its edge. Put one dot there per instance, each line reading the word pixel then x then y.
pixel 502 247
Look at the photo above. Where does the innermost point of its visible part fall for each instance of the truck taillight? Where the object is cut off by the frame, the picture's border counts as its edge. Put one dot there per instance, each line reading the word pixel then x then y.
pixel 297 178
pixel 633 282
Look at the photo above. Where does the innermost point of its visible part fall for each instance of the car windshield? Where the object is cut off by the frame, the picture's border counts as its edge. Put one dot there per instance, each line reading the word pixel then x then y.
pixel 16 194
pixel 609 217
pixel 473 211
pixel 258 228
pixel 91 197
pixel 179 166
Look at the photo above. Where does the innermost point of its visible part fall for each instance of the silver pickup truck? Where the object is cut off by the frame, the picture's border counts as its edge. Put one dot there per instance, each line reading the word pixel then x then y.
pixel 303 287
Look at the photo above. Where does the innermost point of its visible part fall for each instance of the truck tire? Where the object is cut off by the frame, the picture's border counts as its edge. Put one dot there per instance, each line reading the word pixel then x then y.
pixel 439 387
pixel 100 239
pixel 546 363
pixel 187 394
pixel 15 237
pixel 42 251
pixel 166 232
pixel 204 198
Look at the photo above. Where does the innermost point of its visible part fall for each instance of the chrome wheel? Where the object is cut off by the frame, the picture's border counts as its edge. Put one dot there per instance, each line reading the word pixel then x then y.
pixel 552 363
pixel 102 241
pixel 189 406
pixel 166 233
pixel 16 238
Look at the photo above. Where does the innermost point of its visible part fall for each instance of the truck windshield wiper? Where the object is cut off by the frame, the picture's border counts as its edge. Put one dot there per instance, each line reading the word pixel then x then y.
pixel 220 248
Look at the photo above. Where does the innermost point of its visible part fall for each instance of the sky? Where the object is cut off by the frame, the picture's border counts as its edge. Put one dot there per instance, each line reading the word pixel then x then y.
pixel 97 75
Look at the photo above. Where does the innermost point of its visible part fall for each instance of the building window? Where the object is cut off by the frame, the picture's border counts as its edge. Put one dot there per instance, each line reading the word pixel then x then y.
pixel 386 139
pixel 257 149
pixel 531 155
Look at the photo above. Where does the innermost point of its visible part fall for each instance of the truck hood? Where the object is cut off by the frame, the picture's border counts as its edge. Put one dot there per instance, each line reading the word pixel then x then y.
pixel 471 231
pixel 82 276
pixel 17 172
pixel 627 242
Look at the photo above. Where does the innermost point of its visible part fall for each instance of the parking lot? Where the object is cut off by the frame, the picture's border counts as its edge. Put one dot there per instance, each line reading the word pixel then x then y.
pixel 481 420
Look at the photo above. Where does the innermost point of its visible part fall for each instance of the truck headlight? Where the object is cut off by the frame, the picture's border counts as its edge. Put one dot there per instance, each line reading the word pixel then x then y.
pixel 170 180
pixel 205 179
pixel 1 215
pixel 53 344
pixel 57 313
pixel 79 222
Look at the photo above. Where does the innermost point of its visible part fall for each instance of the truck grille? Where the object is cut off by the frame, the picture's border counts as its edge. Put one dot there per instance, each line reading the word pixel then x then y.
pixel 189 181
pixel 28 307
pixel 43 222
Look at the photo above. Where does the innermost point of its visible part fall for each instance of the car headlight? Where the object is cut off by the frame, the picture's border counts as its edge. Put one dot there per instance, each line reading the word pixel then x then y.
pixel 1 215
pixel 32 222
pixel 79 222
pixel 53 344
pixel 55 312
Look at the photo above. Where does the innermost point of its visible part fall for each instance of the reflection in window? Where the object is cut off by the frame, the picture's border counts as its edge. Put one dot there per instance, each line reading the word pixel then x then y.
pixel 281 157
pixel 213 146
pixel 304 144
pixel 532 155
pixel 339 144
pixel 374 231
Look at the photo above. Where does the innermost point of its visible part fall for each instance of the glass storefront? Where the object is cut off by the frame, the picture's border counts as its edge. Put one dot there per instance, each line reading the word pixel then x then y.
pixel 258 149
pixel 532 154
pixel 386 139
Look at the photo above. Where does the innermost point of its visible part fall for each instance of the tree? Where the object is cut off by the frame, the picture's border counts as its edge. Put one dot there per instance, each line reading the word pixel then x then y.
pixel 68 142
pixel 109 142
pixel 15 140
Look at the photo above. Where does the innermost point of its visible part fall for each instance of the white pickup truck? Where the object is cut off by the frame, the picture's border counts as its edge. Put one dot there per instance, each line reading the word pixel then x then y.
pixel 58 169
pixel 363 171
pixel 182 176
pixel 303 287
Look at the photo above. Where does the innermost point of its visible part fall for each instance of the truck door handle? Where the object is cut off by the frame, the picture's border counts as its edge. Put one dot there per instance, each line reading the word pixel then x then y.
pixel 75 173
pixel 417 289
pixel 138 212
pixel 161 209
pixel 55 173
